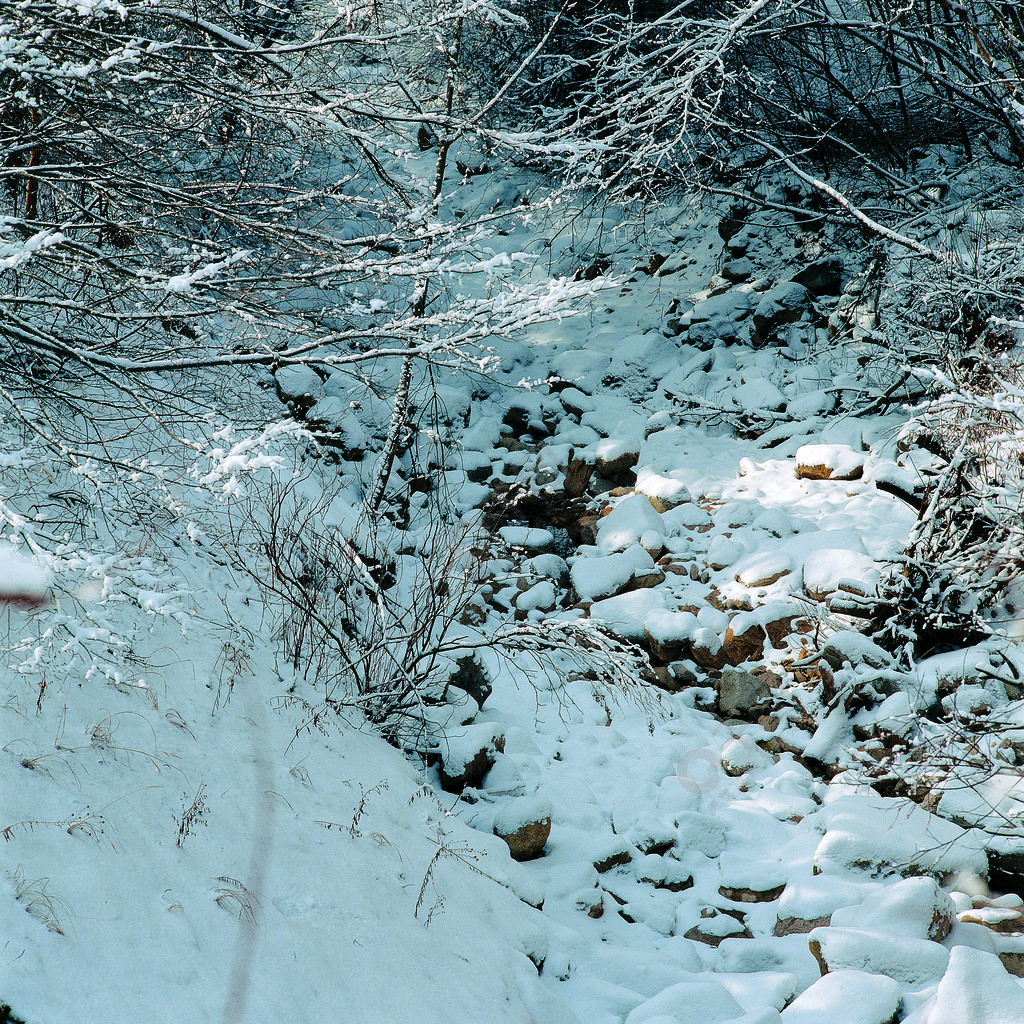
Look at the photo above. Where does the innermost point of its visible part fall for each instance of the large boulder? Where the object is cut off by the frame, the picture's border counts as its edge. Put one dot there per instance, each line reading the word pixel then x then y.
pixel 468 755
pixel 853 997
pixel 976 989
pixel 784 304
pixel 907 960
pixel 823 277
pixel 741 694
pixel 915 907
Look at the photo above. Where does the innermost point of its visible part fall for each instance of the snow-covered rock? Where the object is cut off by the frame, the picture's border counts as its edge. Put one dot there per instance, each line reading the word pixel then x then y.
pixel 524 824
pixel 883 835
pixel 829 462
pixel 608 575
pixel 688 1002
pixel 976 989
pixel 908 960
pixel 627 523
pixel 847 997
pixel 914 907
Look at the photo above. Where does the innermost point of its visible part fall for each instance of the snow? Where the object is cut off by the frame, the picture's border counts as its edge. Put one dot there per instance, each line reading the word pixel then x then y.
pixel 209 815
pixel 885 835
pixel 22 578
pixel 523 811
pixel 976 990
pixel 599 577
pixel 849 997
pixel 908 960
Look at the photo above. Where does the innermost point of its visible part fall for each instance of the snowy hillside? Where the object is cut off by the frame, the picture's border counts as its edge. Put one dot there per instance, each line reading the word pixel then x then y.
pixel 444 584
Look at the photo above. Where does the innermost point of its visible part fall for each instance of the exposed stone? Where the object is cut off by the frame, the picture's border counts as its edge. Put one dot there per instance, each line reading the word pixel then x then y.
pixel 716 925
pixel 471 677
pixel 653 839
pixel 737 270
pixel 525 825
pixel 577 476
pixel 755 579
pixel 1013 961
pixel 733 221
pixel 706 334
pixel 706 649
pixel 997 919
pixel 747 646
pixel 585 531
pixel 613 860
pixel 798 925
pixel 823 277
pixel 644 581
pixel 741 694
pixel 751 895
pixel 662 678
pixel 615 460
pixel 780 628
pixel 683 674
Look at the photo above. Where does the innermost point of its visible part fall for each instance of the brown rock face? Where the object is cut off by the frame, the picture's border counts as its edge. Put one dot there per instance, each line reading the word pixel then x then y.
pixel 527 842
pixel 822 472
pixel 751 895
pixel 1014 963
pixel 815 947
pixel 644 581
pixel 747 646
pixel 798 925
pixel 612 861
pixel 706 658
pixel 618 470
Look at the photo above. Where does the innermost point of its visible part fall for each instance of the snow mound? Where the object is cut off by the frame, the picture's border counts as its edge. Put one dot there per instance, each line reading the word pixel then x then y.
pixel 846 997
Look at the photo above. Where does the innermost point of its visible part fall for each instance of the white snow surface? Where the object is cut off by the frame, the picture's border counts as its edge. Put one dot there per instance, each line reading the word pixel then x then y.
pixel 182 839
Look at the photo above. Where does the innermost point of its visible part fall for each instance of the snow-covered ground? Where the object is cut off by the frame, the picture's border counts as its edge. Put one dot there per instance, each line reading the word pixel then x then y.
pixel 180 839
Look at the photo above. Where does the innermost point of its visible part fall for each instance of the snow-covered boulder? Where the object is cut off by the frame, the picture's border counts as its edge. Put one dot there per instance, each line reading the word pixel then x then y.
pixel 914 907
pixel 688 1002
pixel 524 824
pixel 614 458
pixel 976 990
pixel 625 525
pixel 885 835
pixel 912 961
pixel 831 570
pixel 829 462
pixel 852 997
pixel 784 304
pixel 468 754
pixel 594 578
